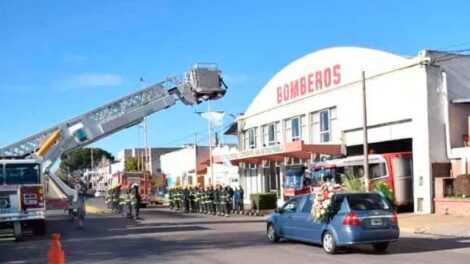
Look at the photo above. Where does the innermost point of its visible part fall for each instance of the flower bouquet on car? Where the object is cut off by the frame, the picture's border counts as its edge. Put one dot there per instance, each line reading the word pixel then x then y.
pixel 322 206
pixel 385 191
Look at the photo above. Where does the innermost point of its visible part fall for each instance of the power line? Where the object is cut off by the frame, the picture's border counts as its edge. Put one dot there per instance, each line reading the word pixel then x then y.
pixel 453 46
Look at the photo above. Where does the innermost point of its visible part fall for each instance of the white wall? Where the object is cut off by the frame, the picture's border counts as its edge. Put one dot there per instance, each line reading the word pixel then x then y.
pixel 178 163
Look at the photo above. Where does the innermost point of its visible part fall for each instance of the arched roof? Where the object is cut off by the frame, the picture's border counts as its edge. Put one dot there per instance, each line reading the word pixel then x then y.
pixel 320 71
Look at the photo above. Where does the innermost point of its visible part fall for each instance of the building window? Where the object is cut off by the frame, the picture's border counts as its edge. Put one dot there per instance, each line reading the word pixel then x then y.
pixel 322 125
pixel 294 128
pixel 325 125
pixel 271 134
pixel 251 138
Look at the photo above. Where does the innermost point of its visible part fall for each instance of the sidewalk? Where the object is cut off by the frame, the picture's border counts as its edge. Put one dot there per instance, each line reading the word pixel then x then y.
pixel 432 224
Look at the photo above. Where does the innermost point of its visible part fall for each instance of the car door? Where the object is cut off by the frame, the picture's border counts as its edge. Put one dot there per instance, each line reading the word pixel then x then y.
pixel 305 228
pixel 287 226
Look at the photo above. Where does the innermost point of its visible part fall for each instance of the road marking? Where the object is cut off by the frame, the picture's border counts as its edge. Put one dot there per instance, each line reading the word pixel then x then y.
pixel 92 209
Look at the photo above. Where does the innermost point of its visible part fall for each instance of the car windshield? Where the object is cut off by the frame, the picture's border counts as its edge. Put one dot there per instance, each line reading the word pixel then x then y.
pixel 367 201
pixel 293 179
pixel 22 173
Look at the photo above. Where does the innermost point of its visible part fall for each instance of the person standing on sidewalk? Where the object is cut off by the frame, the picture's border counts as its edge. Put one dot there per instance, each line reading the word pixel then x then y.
pixel 240 198
pixel 236 196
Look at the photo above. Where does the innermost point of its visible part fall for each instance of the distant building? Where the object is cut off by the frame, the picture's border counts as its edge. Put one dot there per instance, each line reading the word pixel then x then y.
pixel 224 172
pixel 180 167
pixel 103 173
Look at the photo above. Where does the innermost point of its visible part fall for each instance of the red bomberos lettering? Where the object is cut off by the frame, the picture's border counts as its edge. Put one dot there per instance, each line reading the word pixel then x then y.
pixel 309 83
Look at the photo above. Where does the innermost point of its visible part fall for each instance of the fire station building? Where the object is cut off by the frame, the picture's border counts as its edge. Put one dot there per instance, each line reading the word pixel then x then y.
pixel 314 107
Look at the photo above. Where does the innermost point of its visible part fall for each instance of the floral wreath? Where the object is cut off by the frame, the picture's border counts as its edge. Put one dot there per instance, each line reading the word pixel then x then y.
pixel 321 209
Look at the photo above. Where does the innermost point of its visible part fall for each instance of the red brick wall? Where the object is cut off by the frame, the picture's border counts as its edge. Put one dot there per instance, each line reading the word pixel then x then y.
pixel 452 206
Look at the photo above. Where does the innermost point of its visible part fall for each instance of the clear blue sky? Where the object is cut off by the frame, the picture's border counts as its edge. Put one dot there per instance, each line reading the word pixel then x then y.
pixel 62 58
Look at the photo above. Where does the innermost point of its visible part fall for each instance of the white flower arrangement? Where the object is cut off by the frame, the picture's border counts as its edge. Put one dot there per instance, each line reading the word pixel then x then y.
pixel 321 208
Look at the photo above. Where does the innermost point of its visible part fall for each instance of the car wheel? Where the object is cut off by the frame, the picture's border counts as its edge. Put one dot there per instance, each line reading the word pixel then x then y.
pixel 380 247
pixel 272 234
pixel 329 243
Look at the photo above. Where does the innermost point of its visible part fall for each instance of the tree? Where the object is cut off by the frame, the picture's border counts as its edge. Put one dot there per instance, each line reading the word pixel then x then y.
pixel 80 159
pixel 132 164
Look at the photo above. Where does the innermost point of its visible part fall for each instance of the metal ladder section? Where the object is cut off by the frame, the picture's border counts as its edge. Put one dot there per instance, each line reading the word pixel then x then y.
pixel 102 115
pixel 200 84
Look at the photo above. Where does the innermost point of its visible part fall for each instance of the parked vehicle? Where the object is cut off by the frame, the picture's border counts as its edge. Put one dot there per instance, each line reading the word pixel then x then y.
pixel 395 169
pixel 22 200
pixel 358 218
pixel 142 179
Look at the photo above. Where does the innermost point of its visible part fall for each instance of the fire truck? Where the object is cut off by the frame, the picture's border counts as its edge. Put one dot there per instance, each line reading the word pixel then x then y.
pixel 142 179
pixel 26 184
pixel 394 169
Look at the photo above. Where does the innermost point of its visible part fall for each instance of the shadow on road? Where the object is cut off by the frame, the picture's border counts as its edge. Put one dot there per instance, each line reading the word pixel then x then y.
pixel 406 245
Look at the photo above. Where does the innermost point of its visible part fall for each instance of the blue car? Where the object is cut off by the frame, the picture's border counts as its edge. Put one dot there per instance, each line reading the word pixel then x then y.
pixel 357 218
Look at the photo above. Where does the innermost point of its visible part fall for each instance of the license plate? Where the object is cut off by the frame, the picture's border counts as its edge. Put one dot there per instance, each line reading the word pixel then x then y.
pixel 376 222
pixel 30 202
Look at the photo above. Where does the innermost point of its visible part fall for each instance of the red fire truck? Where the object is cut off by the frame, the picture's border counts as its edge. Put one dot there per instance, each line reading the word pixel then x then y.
pixel 395 169
pixel 142 179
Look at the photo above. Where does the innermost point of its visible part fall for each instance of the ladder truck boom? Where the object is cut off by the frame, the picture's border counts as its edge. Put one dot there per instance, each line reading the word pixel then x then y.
pixel 203 82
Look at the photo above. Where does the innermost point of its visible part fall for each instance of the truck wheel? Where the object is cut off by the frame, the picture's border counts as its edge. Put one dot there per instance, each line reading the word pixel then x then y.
pixel 39 228
pixel 18 231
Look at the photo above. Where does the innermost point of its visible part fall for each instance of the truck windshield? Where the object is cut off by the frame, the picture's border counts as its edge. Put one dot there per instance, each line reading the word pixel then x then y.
pixel 22 174
pixel 293 179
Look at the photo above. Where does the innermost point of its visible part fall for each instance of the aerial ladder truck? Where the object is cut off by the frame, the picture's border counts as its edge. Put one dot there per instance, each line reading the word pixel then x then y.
pixel 25 165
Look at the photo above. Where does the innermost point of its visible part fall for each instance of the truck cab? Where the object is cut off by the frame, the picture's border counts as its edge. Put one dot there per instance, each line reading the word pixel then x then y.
pixel 22 199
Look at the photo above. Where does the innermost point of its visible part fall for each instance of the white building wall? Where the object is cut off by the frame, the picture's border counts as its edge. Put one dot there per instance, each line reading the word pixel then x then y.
pixel 404 102
pixel 178 164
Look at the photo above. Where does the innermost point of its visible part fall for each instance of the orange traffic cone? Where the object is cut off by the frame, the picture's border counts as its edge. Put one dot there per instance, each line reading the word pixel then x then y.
pixel 56 255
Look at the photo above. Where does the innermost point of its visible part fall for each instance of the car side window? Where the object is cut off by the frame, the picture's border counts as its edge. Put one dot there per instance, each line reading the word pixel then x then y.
pixel 291 205
pixel 308 204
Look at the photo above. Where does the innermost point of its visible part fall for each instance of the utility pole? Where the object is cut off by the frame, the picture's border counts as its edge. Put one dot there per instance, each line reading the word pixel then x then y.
pixel 195 157
pixel 210 144
pixel 146 152
pixel 364 128
pixel 92 162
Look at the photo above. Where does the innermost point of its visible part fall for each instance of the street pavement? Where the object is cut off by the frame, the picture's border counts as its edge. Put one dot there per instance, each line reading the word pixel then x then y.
pixel 166 236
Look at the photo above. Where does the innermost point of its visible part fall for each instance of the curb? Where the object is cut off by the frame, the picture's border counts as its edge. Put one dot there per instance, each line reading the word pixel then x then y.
pixel 408 230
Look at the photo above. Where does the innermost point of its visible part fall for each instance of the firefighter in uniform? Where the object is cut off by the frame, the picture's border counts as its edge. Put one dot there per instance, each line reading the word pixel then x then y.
pixel 135 200
pixel 170 198
pixel 196 199
pixel 204 201
pixel 192 197
pixel 186 194
pixel 217 200
pixel 211 200
pixel 122 202
pixel 108 199
pixel 176 198
pixel 223 201
pixel 115 198
pixel 129 200
pixel 201 199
